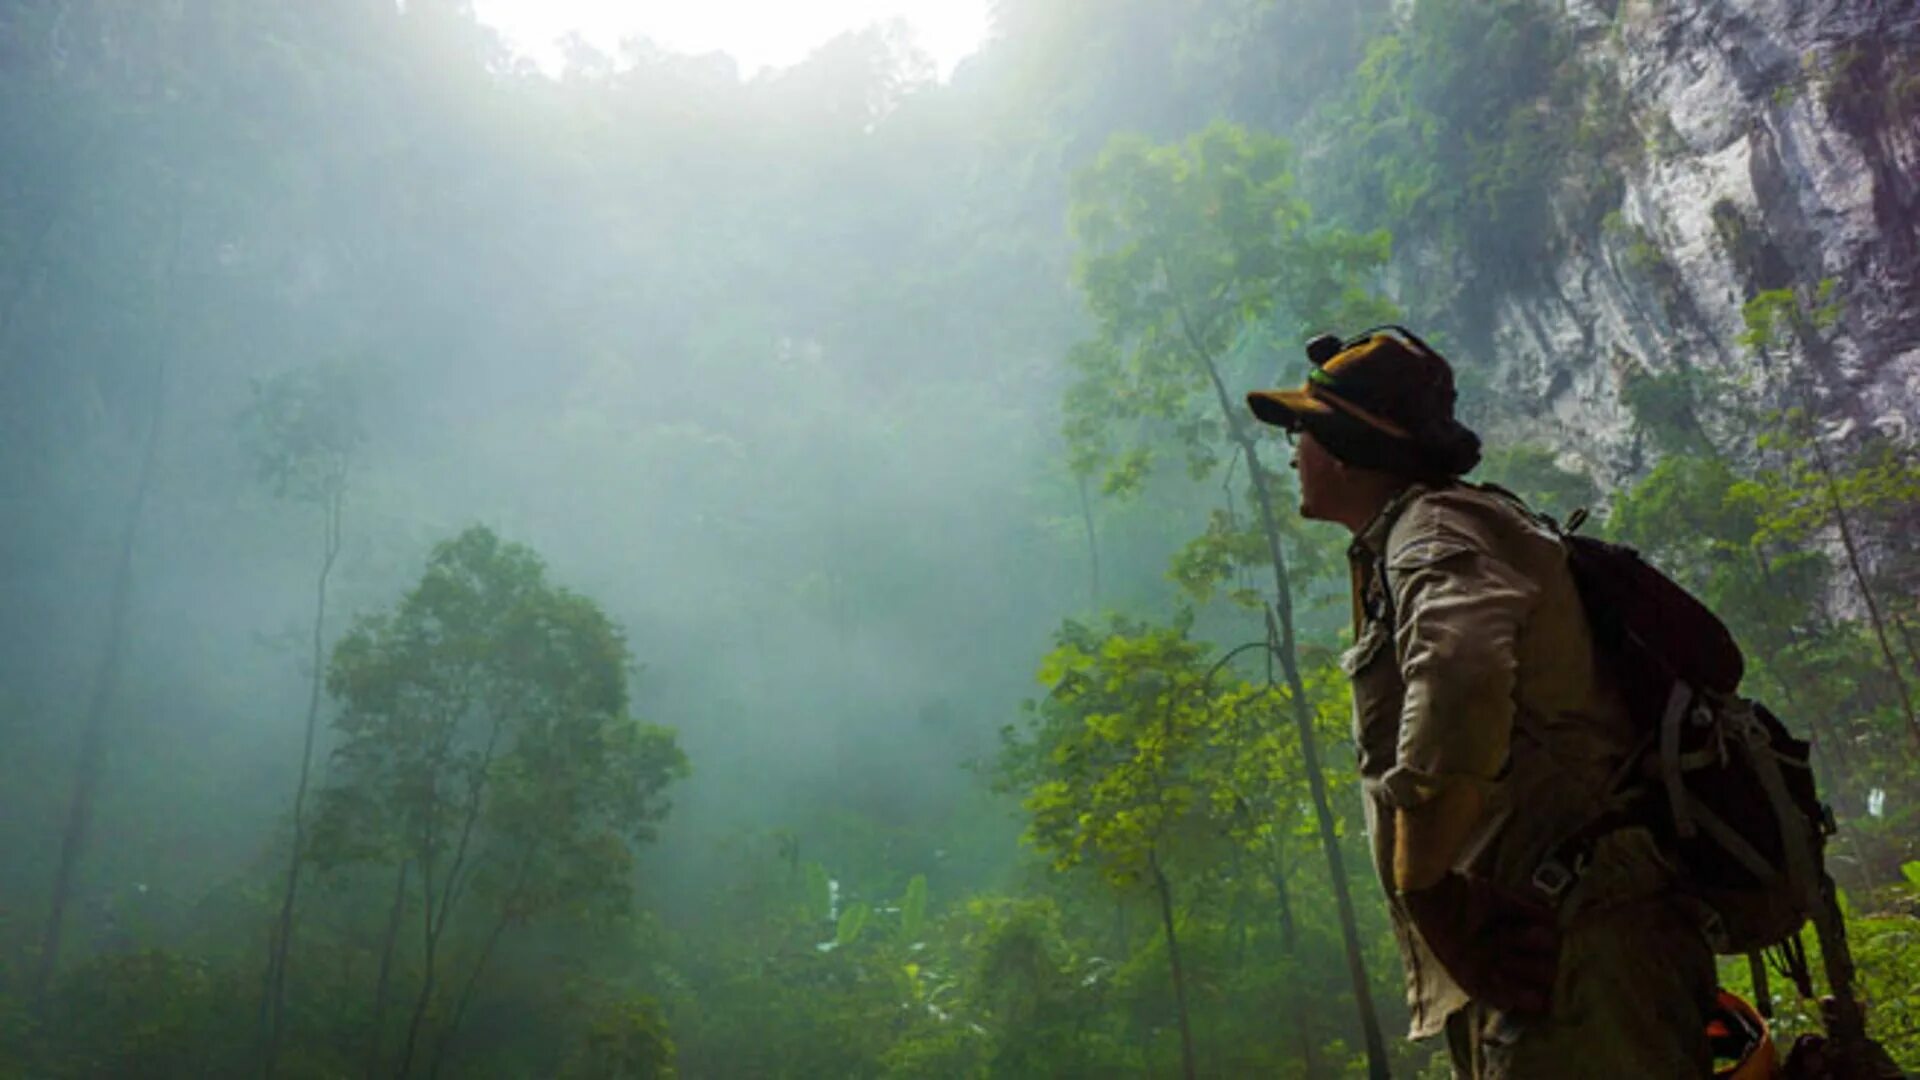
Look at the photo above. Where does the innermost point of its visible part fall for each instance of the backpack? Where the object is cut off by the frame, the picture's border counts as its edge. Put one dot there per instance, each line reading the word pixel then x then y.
pixel 1723 785
pixel 1718 778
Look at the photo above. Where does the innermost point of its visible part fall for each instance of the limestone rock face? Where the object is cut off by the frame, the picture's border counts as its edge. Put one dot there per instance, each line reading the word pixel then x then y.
pixel 1782 149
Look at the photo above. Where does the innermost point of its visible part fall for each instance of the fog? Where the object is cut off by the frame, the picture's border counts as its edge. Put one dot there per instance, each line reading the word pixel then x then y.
pixel 769 369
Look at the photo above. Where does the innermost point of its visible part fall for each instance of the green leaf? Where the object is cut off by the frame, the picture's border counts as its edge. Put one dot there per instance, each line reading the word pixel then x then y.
pixel 1911 871
pixel 913 908
pixel 819 893
pixel 852 921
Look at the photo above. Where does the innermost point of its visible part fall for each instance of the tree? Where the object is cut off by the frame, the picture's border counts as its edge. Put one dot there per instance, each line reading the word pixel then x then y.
pixel 106 679
pixel 484 737
pixel 1781 319
pixel 1192 256
pixel 302 431
pixel 1118 777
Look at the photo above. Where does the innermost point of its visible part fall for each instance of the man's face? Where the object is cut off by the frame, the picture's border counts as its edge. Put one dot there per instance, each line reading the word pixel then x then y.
pixel 1320 477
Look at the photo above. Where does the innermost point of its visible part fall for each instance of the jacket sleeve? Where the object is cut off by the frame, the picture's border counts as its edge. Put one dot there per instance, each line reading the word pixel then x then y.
pixel 1459 609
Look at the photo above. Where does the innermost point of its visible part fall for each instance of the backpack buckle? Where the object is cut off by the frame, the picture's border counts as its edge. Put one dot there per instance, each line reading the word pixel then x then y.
pixel 1553 878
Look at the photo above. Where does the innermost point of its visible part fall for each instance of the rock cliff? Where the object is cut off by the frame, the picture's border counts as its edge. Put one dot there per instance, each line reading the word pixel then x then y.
pixel 1781 149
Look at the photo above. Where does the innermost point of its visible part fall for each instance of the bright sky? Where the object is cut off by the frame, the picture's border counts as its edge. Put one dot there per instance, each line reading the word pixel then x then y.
pixel 758 33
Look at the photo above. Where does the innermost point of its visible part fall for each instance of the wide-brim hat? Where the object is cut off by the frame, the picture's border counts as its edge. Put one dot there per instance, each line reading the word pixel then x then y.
pixel 1382 397
pixel 1379 380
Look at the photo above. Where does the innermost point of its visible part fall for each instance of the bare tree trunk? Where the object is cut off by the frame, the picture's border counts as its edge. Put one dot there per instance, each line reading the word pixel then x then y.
pixel 1906 638
pixel 1165 892
pixel 1125 953
pixel 276 980
pixel 1093 545
pixel 1830 749
pixel 1236 921
pixel 439 915
pixel 1289 929
pixel 1816 347
pixel 93 736
pixel 507 909
pixel 1280 628
pixel 1867 592
pixel 430 944
pixel 380 987
pixel 1323 813
pixel 445 1039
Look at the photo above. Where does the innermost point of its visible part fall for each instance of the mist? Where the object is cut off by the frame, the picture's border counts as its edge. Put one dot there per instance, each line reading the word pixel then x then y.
pixel 777 373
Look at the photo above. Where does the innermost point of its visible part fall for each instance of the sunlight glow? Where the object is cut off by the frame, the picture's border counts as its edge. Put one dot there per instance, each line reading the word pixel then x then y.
pixel 756 33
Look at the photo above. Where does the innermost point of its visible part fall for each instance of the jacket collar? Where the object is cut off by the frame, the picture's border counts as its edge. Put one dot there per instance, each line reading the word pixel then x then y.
pixel 1372 540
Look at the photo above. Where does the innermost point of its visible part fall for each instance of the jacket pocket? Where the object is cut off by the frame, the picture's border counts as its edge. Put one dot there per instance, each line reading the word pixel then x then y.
pixel 1377 696
pixel 1374 637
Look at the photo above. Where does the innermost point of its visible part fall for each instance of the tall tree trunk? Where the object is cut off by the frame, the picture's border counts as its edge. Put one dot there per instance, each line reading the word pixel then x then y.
pixel 276 979
pixel 1280 628
pixel 438 915
pixel 93 734
pixel 1236 922
pixel 507 908
pixel 1856 566
pixel 1165 892
pixel 1289 938
pixel 1906 638
pixel 1830 750
pixel 1323 813
pixel 427 972
pixel 1125 953
pixel 381 985
pixel 1816 348
pixel 1093 545
pixel 1289 929
pixel 445 1039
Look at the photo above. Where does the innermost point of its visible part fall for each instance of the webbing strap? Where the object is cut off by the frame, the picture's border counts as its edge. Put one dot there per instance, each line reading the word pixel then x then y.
pixel 1727 837
pixel 1795 830
pixel 1844 1017
pixel 1677 800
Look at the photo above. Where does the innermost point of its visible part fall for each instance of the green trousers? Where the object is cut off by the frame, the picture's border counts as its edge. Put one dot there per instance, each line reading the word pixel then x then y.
pixel 1636 981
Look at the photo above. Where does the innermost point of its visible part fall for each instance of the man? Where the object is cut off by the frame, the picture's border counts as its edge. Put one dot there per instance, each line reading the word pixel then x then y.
pixel 1541 941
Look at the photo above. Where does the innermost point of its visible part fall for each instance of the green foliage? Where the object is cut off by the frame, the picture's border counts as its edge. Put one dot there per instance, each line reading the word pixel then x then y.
pixel 1646 258
pixel 819 892
pixel 302 430
pixel 1216 555
pixel 1664 139
pixel 1121 728
pixel 560 279
pixel 852 921
pixel 1534 473
pixel 489 697
pixel 484 739
pixel 1147 749
pixel 913 908
pixel 628 1040
pixel 1885 944
pixel 147 1013
pixel 1459 123
pixel 1751 545
pixel 1776 318
pixel 1797 500
pixel 1665 408
pixel 1189 252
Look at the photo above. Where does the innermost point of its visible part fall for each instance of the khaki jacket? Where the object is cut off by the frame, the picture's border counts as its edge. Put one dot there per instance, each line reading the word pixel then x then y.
pixel 1473 664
